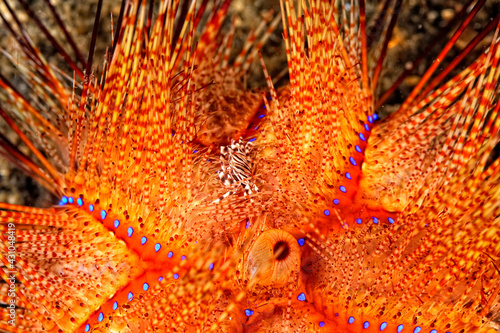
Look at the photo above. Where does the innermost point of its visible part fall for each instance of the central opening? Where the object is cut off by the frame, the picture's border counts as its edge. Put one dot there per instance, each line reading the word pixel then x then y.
pixel 281 250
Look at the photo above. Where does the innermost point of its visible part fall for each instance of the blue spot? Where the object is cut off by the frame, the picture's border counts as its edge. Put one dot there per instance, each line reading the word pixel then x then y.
pixel 262 115
pixel 321 323
pixel 253 139
pixel 247 225
pixel 264 107
pixel 434 331
pixel 370 119
pixel 367 128
pixel 64 200
pixel 170 254
pixel 327 212
pixel 351 320
pixel 130 296
pixel 211 266
pixel 383 326
pixel 130 231
pixel 343 189
pixel 361 136
pixel 103 214
pixel 353 162
pixel 348 175
pixel 71 200
pixel 366 325
pixel 375 220
pixel 391 220
pixel 400 328
pixel 256 128
pixel 359 221
pixel 301 241
pixel 176 276
pixel 115 305
pixel 143 240
pixel 100 317
pixel 302 297
pixel 336 201
pixel 183 258
pixel 357 148
pixel 117 223
pixel 87 328
pixel 375 116
pixel 145 286
pixel 91 208
pixel 248 312
pixel 417 329
pixel 194 152
pixel 336 315
pixel 79 201
pixel 160 278
pixel 157 247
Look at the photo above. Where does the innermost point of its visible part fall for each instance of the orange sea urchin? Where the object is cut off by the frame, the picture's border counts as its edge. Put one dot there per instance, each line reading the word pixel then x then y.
pixel 353 224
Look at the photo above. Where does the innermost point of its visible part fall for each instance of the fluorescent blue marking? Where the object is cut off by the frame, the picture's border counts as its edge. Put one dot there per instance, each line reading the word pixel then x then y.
pixel 115 305
pixel 117 223
pixel 194 152
pixel 375 116
pixel 375 220
pixel 160 278
pixel 71 200
pixel 247 225
pixel 130 296
pixel 370 119
pixel 262 115
pixel 130 231
pixel 143 240
pixel 366 325
pixel 351 320
pixel 183 258
pixel 248 312
pixel 91 208
pixel 367 128
pixel 301 241
pixel 434 331
pixel 170 254
pixel 157 247
pixel 103 214
pixel 253 139
pixel 256 128
pixel 391 220
pixel 100 317
pixel 87 328
pixel 348 175
pixel 359 221
pixel 343 189
pixel 362 137
pixel 336 201
pixel 327 212
pixel 302 297
pixel 264 107
pixel 336 315
pixel 353 162
pixel 176 276
pixel 417 329
pixel 383 326
pixel 211 266
pixel 145 286
pixel 400 328
pixel 358 149
pixel 64 200
pixel 60 203
pixel 321 323
pixel 79 201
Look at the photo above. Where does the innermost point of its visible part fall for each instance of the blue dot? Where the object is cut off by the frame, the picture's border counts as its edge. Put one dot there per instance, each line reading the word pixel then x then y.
pixel 434 331
pixel 417 329
pixel 370 119
pixel 351 320
pixel 79 201
pixel 170 254
pixel 391 220
pixel 71 200
pixel 87 328
pixel 336 201
pixel 100 317
pixel 357 148
pixel 366 325
pixel 400 328
pixel 183 258
pixel 117 223
pixel 256 128
pixel 143 240
pixel 194 152
pixel 261 116
pixel 64 200
pixel 130 231
pixel 361 136
pixel 145 286
pixel 247 225
pixel 130 296
pixel 264 107
pixel 157 247
pixel 91 208
pixel 301 241
pixel 353 162
pixel 211 266
pixel 248 312
pixel 115 305
pixel 375 116
pixel 321 323
pixel 375 220
pixel 327 212
pixel 348 175
pixel 336 315
pixel 253 139
pixel 383 326
pixel 367 128
pixel 176 276
pixel 103 214
pixel 343 189
pixel 302 297
pixel 160 278
pixel 359 221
